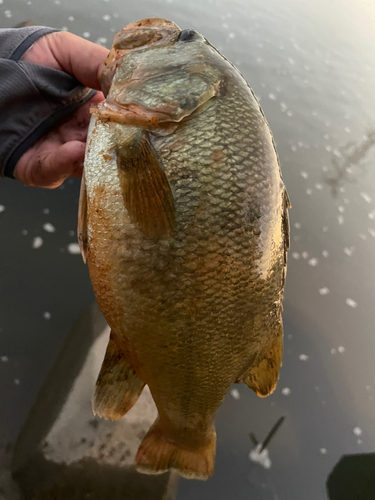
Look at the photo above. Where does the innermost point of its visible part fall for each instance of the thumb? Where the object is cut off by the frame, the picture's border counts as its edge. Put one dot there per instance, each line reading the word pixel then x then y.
pixel 51 168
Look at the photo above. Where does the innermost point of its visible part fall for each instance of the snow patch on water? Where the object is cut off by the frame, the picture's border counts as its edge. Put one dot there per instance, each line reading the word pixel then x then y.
pixel 235 394
pixel 49 227
pixel 351 302
pixel 73 248
pixel 260 457
pixel 37 242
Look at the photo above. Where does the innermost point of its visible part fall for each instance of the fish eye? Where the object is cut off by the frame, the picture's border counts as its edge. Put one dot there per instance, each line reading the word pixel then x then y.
pixel 187 35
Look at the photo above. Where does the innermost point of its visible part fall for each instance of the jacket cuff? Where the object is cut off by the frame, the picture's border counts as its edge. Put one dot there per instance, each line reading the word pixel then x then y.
pixel 32 97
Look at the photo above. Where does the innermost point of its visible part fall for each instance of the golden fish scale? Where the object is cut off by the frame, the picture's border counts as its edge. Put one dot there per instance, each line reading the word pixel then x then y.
pixel 197 309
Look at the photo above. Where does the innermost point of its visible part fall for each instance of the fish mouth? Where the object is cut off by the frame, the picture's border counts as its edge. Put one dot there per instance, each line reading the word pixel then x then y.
pixel 145 33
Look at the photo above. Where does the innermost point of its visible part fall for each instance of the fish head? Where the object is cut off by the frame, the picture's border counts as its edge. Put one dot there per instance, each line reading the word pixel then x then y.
pixel 158 73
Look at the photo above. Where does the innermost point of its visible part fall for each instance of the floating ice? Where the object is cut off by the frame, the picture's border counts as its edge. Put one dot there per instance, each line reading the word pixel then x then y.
pixel 341 349
pixel 106 17
pixel 2 208
pixel 286 391
pixel 86 34
pixel 363 236
pixel 305 255
pixel 308 191
pixel 289 113
pixel 45 211
pixel 71 18
pixel 366 197
pixel 304 174
pixel 349 251
pixel 49 227
pixel 303 357
pixel 272 97
pixel 231 35
pixel 47 315
pixel 323 451
pixel 325 253
pixel 37 242
pixel 297 225
pixel 4 359
pixel 295 255
pixel 235 394
pixel 318 186
pixel 101 40
pixel 313 262
pixel 357 431
pixel 371 231
pixel 74 248
pixel 340 218
pixel 351 303
pixel 17 381
pixel 341 209
pixel 260 457
pixel 7 13
pixel 323 291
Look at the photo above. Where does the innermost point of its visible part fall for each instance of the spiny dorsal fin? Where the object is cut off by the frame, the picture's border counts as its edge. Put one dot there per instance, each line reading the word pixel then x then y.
pixel 147 195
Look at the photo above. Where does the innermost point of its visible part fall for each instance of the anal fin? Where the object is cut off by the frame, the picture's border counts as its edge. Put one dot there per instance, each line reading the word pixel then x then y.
pixel 262 378
pixel 118 387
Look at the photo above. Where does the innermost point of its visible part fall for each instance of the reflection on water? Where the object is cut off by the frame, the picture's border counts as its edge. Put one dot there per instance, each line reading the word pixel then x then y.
pixel 347 164
pixel 63 452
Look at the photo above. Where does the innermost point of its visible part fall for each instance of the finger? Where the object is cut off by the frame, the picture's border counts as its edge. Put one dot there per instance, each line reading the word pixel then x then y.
pixel 78 56
pixel 70 53
pixel 52 167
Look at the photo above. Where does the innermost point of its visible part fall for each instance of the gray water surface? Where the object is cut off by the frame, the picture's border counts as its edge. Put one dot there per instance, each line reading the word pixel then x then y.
pixel 311 65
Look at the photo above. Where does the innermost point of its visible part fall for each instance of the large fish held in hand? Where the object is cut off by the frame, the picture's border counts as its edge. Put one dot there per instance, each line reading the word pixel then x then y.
pixel 183 222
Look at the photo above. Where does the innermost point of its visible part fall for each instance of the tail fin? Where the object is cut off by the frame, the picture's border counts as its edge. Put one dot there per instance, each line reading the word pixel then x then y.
pixel 157 455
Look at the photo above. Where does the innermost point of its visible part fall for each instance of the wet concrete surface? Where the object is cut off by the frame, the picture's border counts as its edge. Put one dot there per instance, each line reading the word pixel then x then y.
pixel 312 66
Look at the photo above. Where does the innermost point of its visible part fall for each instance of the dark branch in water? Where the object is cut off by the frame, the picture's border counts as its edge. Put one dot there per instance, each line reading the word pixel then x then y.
pixel 269 436
pixel 272 432
pixel 352 155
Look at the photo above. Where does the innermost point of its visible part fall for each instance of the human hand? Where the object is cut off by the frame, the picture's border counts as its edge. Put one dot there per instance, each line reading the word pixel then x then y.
pixel 60 153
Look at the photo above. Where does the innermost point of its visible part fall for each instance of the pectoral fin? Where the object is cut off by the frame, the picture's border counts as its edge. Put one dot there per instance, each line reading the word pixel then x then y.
pixel 263 377
pixel 147 195
pixel 82 219
pixel 118 387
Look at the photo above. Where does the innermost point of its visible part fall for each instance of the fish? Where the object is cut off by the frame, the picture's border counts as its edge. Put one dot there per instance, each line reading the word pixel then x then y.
pixel 183 222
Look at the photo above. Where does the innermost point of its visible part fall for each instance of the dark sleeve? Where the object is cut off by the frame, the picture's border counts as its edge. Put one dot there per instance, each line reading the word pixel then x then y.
pixel 32 97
